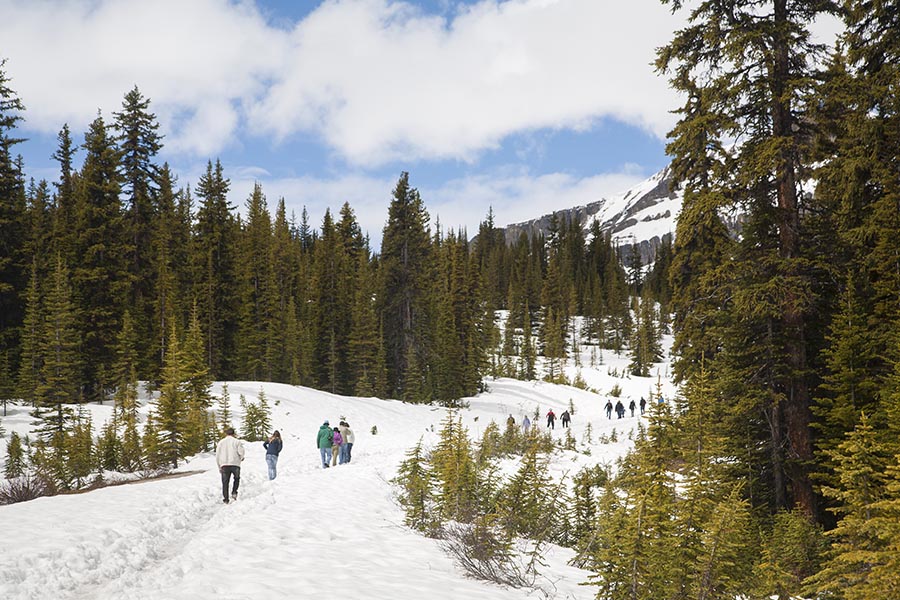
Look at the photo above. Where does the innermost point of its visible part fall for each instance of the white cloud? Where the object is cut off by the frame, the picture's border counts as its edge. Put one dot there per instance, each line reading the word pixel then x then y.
pixel 197 61
pixel 514 194
pixel 380 81
pixel 376 80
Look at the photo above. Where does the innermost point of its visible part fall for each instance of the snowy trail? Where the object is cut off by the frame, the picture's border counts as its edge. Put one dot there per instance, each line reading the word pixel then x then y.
pixel 310 531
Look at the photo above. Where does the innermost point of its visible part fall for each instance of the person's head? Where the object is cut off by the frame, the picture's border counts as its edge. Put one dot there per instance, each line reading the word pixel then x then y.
pixel 337 430
pixel 325 424
pixel 276 435
pixel 229 431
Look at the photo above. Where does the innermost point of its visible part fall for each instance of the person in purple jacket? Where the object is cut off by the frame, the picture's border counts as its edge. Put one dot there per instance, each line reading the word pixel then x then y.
pixel 336 442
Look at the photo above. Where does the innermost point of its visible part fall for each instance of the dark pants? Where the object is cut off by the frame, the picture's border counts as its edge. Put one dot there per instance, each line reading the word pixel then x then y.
pixel 565 423
pixel 227 472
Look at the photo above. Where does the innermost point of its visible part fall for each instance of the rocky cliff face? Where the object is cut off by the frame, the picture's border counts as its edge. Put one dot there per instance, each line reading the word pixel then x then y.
pixel 643 215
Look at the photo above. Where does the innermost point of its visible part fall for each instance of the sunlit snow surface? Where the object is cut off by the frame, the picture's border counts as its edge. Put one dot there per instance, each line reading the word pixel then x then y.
pixel 311 531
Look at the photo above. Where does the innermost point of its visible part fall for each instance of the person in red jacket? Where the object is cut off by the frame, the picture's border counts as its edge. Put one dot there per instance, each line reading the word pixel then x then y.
pixel 551 419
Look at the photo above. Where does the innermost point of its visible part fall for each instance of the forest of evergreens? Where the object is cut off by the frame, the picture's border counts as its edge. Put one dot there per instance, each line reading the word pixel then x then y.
pixel 778 472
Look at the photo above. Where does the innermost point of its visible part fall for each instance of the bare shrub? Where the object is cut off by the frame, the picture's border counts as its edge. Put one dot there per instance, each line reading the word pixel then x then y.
pixel 24 488
pixel 485 552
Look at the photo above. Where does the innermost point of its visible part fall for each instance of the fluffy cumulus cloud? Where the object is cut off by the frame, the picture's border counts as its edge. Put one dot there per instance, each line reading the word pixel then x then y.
pixel 379 80
pixel 200 62
pixel 375 80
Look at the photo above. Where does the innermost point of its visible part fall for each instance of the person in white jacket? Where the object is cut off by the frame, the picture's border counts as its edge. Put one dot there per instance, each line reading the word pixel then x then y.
pixel 229 455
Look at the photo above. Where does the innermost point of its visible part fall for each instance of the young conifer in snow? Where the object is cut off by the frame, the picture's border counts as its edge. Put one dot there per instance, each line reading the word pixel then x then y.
pixel 454 470
pixel 170 410
pixel 223 413
pixel 15 457
pixel 415 480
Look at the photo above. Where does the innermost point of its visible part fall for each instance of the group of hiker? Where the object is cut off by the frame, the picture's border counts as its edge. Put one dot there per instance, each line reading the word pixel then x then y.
pixel 336 443
pixel 230 455
pixel 564 418
pixel 620 408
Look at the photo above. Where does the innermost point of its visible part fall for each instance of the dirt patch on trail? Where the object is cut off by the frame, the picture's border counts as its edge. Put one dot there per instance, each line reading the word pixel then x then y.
pixel 104 484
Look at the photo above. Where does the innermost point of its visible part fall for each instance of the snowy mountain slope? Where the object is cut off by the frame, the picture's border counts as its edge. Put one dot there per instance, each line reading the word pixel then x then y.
pixel 641 215
pixel 311 530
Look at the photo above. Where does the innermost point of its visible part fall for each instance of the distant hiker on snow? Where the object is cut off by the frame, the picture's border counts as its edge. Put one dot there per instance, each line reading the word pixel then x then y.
pixel 526 425
pixel 620 409
pixel 323 442
pixel 273 448
pixel 229 454
pixel 510 421
pixel 608 408
pixel 551 419
pixel 631 406
pixel 347 446
pixel 336 440
pixel 565 418
pixel 643 404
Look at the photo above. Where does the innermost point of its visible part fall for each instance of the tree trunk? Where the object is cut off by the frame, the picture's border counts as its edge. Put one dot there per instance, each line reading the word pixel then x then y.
pixel 796 410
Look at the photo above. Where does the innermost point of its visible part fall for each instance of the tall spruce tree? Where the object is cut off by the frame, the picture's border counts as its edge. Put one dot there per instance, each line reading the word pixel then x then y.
pixel 139 142
pixel 99 276
pixel 13 266
pixel 215 271
pixel 257 303
pixel 59 374
pixel 406 263
pixel 758 63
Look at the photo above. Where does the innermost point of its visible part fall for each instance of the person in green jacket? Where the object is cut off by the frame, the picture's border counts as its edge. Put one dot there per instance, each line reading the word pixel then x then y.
pixel 323 441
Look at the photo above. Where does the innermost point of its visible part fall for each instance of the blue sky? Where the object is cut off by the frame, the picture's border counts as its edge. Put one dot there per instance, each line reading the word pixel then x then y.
pixel 523 105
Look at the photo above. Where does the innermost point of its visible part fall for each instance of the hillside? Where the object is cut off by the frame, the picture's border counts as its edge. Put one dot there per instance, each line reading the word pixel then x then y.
pixel 311 530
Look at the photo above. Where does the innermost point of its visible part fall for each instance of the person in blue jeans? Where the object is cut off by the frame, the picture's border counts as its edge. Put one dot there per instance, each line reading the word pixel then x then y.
pixel 324 441
pixel 347 436
pixel 273 448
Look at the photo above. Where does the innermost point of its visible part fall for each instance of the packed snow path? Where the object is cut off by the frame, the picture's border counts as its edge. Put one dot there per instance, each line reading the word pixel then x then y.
pixel 310 531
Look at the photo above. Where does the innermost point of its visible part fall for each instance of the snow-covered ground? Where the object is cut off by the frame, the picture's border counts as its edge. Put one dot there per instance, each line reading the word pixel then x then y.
pixel 310 531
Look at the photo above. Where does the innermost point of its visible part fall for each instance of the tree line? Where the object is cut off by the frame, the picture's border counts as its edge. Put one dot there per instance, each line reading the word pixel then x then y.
pixel 114 274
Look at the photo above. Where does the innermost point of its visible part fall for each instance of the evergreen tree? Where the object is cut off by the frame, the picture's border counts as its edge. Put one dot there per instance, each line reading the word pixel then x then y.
pixel 257 298
pixel 99 276
pixel 364 340
pixel 32 337
pixel 13 267
pixel 169 251
pixel 109 448
pixel 214 270
pixel 527 504
pixel 223 414
pixel 528 353
pixel 406 272
pixel 554 345
pixel 333 300
pixel 645 344
pixel 59 347
pixel 138 143
pixel 762 68
pixel 15 457
pixel 414 479
pixel 454 472
pixel 197 382
pixel 170 418
pixel 861 467
pixel 80 451
pixel 64 209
